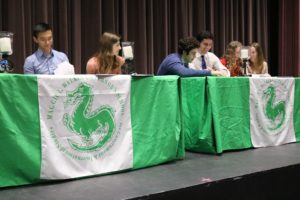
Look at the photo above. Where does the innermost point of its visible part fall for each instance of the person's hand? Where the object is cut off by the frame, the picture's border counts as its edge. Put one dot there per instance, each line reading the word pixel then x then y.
pixel 121 60
pixel 218 73
pixel 249 70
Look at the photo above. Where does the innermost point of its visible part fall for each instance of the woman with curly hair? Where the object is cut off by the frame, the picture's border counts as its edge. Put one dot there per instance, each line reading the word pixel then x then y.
pixel 231 58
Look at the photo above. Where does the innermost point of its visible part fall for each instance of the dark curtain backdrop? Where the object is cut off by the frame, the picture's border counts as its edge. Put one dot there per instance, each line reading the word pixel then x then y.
pixel 155 26
pixel 289 41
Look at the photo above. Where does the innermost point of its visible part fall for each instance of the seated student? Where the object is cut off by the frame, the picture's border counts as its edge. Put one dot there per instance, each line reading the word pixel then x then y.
pixel 257 63
pixel 106 60
pixel 205 59
pixel 45 59
pixel 231 58
pixel 177 63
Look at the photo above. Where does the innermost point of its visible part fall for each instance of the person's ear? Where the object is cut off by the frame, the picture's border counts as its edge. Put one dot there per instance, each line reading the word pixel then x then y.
pixel 35 39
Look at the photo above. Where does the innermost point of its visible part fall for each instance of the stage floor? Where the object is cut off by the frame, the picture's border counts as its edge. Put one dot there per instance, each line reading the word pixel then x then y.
pixel 157 182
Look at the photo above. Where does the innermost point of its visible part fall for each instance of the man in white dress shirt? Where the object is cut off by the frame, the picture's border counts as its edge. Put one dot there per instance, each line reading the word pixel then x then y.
pixel 205 59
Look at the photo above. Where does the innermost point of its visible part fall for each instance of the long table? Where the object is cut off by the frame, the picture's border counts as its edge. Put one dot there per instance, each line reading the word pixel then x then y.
pixel 168 115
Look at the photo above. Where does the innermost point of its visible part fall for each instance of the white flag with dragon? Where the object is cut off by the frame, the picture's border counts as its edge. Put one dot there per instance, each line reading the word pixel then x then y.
pixel 271 111
pixel 85 125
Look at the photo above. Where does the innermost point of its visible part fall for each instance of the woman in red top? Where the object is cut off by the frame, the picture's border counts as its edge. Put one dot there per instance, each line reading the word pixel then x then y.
pixel 107 59
pixel 231 59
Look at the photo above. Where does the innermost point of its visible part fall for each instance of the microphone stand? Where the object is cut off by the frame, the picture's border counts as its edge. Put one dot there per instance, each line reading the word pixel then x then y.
pixel 245 60
pixel 244 56
pixel 245 66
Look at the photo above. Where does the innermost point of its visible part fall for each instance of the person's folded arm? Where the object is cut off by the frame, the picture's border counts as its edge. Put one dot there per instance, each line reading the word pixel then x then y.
pixel 28 67
pixel 219 66
pixel 177 68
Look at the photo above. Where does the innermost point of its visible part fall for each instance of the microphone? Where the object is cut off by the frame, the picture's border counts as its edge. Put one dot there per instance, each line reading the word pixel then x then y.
pixel 245 58
pixel 244 53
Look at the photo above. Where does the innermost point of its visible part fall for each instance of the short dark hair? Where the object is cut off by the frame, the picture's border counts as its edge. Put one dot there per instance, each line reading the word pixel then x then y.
pixel 39 28
pixel 187 44
pixel 205 35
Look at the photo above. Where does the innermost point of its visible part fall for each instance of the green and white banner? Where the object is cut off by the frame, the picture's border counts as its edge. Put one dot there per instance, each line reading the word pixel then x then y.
pixel 220 113
pixel 272 111
pixel 61 127
pixel 85 125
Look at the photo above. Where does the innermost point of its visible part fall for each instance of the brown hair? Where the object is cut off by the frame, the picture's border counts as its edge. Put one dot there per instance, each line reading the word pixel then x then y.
pixel 106 60
pixel 258 66
pixel 229 54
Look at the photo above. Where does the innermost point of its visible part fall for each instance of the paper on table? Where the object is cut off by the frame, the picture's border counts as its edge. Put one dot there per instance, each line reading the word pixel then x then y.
pixel 260 75
pixel 64 68
pixel 127 51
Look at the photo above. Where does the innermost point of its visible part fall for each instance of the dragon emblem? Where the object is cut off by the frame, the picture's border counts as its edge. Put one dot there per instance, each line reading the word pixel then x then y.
pixel 96 127
pixel 274 111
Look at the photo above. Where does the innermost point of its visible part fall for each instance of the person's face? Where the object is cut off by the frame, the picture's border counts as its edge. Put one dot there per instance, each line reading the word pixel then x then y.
pixel 206 45
pixel 253 54
pixel 44 41
pixel 237 53
pixel 116 48
pixel 191 55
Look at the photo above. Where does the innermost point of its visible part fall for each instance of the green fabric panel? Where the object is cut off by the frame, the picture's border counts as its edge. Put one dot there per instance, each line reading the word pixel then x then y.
pixel 196 116
pixel 297 109
pixel 229 99
pixel 155 118
pixel 20 130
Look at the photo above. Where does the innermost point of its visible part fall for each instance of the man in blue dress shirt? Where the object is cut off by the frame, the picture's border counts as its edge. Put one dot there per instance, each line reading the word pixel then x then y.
pixel 177 63
pixel 45 59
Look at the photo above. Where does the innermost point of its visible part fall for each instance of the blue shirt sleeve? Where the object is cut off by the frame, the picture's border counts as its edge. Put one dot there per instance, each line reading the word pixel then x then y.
pixel 65 57
pixel 172 65
pixel 28 66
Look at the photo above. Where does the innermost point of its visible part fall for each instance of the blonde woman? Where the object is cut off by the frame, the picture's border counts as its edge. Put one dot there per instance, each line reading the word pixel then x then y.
pixel 231 58
pixel 107 59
